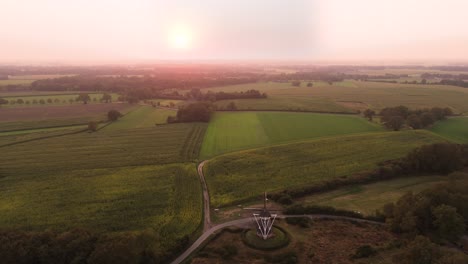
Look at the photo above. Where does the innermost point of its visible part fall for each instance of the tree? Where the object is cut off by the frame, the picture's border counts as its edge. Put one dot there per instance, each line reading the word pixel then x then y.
pixel 414 121
pixel 3 101
pixel 20 101
pixel 427 119
pixel 395 123
pixel 83 97
pixel 70 101
pixel 450 225
pixel 49 100
pixel 423 81
pixel 106 98
pixel 56 100
pixel 296 83
pixel 369 114
pixel 41 101
pixel 310 84
pixel 231 106
pixel 92 126
pixel 419 251
pixel 113 115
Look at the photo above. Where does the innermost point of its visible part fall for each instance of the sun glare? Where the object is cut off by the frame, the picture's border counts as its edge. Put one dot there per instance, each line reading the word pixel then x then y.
pixel 181 39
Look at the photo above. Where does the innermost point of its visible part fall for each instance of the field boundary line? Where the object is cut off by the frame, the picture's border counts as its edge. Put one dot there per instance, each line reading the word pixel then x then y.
pixel 45 137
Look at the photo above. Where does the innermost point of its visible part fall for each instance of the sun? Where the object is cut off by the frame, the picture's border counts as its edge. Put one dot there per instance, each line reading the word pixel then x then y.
pixel 181 39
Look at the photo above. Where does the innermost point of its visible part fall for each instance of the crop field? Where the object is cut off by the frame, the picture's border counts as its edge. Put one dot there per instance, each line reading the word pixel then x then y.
pixel 56 99
pixel 337 97
pixel 163 198
pixel 455 129
pixel 304 163
pixel 144 116
pixel 26 135
pixel 56 116
pixel 368 198
pixel 15 82
pixel 230 131
pixel 143 146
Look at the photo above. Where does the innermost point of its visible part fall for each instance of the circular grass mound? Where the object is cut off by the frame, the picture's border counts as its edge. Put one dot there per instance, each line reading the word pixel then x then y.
pixel 279 239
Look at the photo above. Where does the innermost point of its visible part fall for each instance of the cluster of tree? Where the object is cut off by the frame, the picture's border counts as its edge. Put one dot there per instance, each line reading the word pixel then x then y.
pixel 460 83
pixel 195 112
pixel 124 84
pixel 396 117
pixel 84 246
pixel 196 94
pixel 439 158
pixel 446 76
pixel 440 211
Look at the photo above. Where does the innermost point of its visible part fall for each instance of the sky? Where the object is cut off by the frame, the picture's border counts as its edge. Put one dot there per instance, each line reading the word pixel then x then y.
pixel 272 30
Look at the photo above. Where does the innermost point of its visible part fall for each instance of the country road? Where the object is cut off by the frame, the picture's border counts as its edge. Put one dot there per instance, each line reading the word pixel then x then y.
pixel 209 229
pixel 206 198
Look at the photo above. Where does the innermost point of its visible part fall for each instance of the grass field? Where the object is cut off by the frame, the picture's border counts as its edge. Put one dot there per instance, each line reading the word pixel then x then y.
pixel 144 116
pixel 244 175
pixel 230 131
pixel 24 135
pixel 371 197
pixel 337 97
pixel 455 129
pixel 15 82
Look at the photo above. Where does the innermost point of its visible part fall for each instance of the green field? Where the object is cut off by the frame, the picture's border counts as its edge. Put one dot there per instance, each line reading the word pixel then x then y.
pixel 144 146
pixel 455 129
pixel 348 96
pixel 230 131
pixel 131 180
pixel 144 116
pixel 15 82
pixel 26 135
pixel 370 197
pixel 304 163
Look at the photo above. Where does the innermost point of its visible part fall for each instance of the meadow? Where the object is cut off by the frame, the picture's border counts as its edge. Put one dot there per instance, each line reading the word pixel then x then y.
pixel 304 163
pixel 368 198
pixel 455 129
pixel 143 116
pixel 230 131
pixel 348 96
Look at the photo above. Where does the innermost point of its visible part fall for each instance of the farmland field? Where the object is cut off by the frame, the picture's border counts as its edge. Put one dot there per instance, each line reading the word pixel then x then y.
pixel 455 129
pixel 334 98
pixel 12 119
pixel 305 163
pixel 26 135
pixel 143 146
pixel 229 131
pixel 144 116
pixel 370 197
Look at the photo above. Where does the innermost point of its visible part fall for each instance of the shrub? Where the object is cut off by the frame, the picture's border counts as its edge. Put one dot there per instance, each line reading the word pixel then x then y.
pixel 364 252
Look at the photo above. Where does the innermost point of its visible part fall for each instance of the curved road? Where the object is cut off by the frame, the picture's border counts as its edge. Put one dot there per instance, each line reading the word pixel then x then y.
pixel 206 198
pixel 209 229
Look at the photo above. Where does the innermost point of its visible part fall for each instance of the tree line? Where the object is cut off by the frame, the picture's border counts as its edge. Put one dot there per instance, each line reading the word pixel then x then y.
pixel 82 97
pixel 195 112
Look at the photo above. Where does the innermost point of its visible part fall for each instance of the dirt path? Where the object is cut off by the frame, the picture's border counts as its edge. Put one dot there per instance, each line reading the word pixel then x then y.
pixel 206 198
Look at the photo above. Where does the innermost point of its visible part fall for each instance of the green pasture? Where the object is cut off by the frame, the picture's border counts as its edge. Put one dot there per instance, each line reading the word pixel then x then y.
pixel 368 198
pixel 304 163
pixel 144 116
pixel 455 129
pixel 230 131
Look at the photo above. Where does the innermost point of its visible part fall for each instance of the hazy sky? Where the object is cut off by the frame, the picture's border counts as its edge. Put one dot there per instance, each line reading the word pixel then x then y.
pixel 308 30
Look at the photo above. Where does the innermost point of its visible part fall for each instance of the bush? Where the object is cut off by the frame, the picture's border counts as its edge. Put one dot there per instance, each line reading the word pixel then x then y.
pixel 92 126
pixel 113 115
pixel 364 252
pixel 299 221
